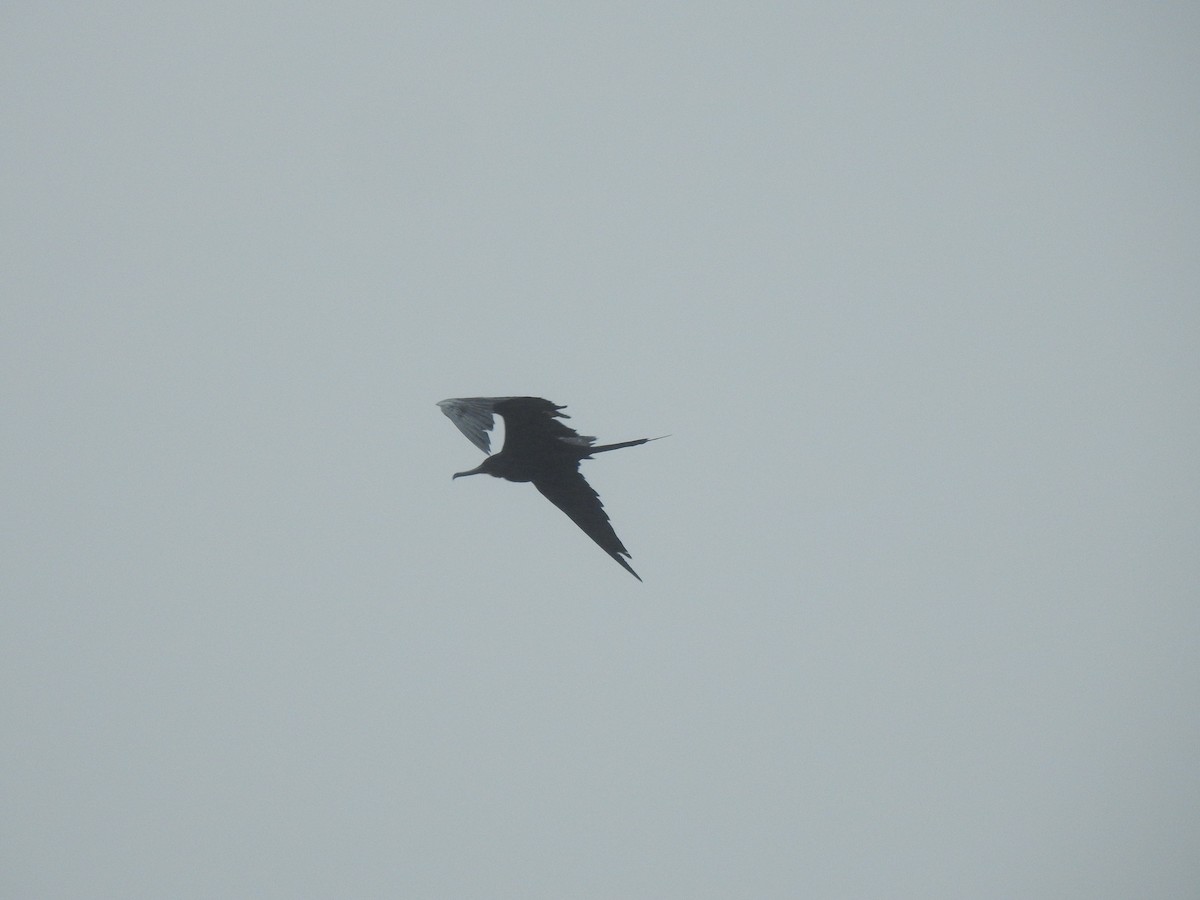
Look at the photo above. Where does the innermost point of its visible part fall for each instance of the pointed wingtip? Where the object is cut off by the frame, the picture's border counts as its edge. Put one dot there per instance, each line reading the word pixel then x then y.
pixel 626 566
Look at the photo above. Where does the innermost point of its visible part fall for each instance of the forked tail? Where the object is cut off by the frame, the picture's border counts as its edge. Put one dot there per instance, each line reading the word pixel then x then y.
pixel 603 448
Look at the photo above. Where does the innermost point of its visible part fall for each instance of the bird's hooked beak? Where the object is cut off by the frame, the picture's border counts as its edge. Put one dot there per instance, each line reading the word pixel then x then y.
pixel 476 471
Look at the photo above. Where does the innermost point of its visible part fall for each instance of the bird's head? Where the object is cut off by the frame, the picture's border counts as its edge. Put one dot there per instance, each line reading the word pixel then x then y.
pixel 484 467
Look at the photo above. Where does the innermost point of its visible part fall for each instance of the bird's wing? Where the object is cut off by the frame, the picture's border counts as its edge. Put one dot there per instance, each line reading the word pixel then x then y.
pixel 532 426
pixel 568 490
pixel 473 416
pixel 530 423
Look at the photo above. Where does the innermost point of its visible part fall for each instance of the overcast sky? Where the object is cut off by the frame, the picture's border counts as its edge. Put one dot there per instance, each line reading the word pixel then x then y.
pixel 913 287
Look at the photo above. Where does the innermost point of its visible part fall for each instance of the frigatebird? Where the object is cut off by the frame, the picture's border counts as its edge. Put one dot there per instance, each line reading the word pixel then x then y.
pixel 541 449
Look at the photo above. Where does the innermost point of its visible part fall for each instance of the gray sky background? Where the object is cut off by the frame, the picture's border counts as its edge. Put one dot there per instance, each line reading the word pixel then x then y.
pixel 913 287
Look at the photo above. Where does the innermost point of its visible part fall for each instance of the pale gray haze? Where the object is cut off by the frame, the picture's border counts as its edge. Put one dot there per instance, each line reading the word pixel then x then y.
pixel 913 287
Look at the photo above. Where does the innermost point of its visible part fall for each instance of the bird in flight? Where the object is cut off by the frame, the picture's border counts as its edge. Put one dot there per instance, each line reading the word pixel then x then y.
pixel 540 448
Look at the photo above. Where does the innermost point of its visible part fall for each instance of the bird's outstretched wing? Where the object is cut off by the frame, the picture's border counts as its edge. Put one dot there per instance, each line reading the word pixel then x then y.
pixel 529 422
pixel 569 491
pixel 473 416
pixel 532 427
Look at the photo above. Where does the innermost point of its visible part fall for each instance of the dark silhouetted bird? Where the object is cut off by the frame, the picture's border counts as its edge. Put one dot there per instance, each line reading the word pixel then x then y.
pixel 540 448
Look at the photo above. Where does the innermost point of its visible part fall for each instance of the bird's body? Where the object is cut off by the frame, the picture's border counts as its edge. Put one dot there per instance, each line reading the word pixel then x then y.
pixel 538 448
